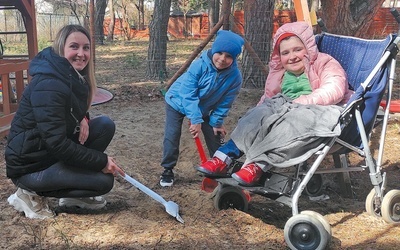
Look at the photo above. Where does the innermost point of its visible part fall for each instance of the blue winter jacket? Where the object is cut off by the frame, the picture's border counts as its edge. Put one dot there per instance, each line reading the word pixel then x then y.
pixel 41 132
pixel 205 91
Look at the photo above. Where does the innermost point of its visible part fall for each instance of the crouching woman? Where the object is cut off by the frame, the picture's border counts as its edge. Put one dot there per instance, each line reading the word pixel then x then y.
pixel 53 148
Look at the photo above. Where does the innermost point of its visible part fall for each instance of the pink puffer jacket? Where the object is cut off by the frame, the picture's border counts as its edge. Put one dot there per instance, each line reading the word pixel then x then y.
pixel 327 78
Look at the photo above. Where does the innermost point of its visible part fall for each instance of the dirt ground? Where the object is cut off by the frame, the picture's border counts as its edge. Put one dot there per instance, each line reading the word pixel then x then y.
pixel 133 220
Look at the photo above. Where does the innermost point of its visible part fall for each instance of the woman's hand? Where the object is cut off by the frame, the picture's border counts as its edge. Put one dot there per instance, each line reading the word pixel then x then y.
pixel 195 129
pixel 84 131
pixel 112 168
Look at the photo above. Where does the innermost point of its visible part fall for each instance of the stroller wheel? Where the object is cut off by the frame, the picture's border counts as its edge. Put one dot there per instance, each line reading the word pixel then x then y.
pixel 230 197
pixel 390 208
pixel 321 219
pixel 314 186
pixel 371 205
pixel 305 231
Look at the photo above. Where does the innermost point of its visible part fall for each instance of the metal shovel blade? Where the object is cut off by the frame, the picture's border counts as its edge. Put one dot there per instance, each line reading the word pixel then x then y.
pixel 171 207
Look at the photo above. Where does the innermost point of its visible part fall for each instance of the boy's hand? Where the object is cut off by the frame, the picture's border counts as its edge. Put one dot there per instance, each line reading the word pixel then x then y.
pixel 195 129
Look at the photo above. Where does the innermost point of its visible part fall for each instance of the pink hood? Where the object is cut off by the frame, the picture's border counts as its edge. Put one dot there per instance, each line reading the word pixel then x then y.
pixel 327 78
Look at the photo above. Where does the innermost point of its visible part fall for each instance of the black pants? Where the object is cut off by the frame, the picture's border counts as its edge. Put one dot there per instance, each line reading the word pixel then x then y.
pixel 61 180
pixel 172 137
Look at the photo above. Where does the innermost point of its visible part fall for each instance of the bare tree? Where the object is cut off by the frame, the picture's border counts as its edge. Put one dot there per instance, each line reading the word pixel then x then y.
pixel 349 17
pixel 77 8
pixel 185 7
pixel 99 21
pixel 111 26
pixel 140 8
pixel 157 52
pixel 124 15
pixel 213 12
pixel 258 16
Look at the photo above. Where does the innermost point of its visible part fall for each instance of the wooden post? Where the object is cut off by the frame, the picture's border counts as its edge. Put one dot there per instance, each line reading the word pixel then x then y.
pixel 302 11
pixel 28 11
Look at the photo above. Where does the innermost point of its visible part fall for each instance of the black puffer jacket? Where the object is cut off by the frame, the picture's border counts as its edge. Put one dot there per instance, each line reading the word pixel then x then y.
pixel 41 132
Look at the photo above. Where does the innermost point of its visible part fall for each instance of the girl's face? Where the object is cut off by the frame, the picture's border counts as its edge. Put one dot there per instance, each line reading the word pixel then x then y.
pixel 77 50
pixel 292 51
pixel 222 60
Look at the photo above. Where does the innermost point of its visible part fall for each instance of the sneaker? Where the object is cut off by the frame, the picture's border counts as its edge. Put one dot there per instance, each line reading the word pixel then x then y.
pixel 213 167
pixel 33 205
pixel 167 178
pixel 248 175
pixel 97 202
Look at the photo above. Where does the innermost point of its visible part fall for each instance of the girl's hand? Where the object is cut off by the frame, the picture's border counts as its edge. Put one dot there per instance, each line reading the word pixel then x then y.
pixel 221 131
pixel 195 129
pixel 112 168
pixel 84 131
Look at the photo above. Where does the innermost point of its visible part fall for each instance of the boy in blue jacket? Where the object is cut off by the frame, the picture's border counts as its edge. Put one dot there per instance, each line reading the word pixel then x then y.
pixel 204 94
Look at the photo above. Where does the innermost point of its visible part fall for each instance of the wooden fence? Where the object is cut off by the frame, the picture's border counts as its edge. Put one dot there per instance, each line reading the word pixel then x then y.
pixel 197 25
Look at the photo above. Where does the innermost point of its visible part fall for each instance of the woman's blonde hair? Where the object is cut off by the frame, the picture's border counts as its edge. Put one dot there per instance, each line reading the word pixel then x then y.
pixel 59 45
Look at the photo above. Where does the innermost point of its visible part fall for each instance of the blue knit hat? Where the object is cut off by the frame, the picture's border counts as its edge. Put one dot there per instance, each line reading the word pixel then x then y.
pixel 228 42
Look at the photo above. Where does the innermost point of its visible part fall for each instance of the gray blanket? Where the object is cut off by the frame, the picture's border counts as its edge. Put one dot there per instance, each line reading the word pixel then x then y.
pixel 281 133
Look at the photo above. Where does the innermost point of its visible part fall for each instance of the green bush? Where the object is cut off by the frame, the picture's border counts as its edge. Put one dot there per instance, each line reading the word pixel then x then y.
pixel 15 48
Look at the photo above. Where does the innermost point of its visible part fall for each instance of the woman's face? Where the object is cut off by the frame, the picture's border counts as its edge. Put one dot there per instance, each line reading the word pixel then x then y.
pixel 222 60
pixel 292 51
pixel 77 50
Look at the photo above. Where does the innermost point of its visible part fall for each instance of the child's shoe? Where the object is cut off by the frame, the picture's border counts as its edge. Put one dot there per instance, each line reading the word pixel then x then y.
pixel 33 205
pixel 213 167
pixel 248 175
pixel 167 178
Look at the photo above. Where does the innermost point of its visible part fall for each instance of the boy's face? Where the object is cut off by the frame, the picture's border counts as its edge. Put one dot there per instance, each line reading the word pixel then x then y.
pixel 292 51
pixel 222 60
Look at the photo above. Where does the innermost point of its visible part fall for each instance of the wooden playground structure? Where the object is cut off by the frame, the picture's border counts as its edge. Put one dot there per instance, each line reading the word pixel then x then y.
pixel 13 69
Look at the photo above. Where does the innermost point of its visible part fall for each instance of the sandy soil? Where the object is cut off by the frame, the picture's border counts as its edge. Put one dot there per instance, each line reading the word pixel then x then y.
pixel 133 220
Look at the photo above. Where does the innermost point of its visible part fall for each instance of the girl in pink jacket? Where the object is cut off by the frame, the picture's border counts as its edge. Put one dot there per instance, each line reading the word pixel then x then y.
pixel 325 75
pixel 299 73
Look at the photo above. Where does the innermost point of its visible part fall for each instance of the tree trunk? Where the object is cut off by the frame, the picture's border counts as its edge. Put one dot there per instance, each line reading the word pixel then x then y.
pixel 141 15
pixel 258 15
pixel 213 13
pixel 111 26
pixel 349 18
pixel 157 52
pixel 99 20
pixel 226 13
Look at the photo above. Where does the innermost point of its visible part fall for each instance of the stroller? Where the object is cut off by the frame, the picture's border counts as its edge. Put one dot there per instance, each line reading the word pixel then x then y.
pixel 370 66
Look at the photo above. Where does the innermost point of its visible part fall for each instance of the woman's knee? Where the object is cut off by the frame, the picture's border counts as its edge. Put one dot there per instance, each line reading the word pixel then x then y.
pixel 105 123
pixel 106 183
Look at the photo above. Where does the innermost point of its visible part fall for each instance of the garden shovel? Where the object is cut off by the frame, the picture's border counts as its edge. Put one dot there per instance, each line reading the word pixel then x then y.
pixel 207 184
pixel 171 207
